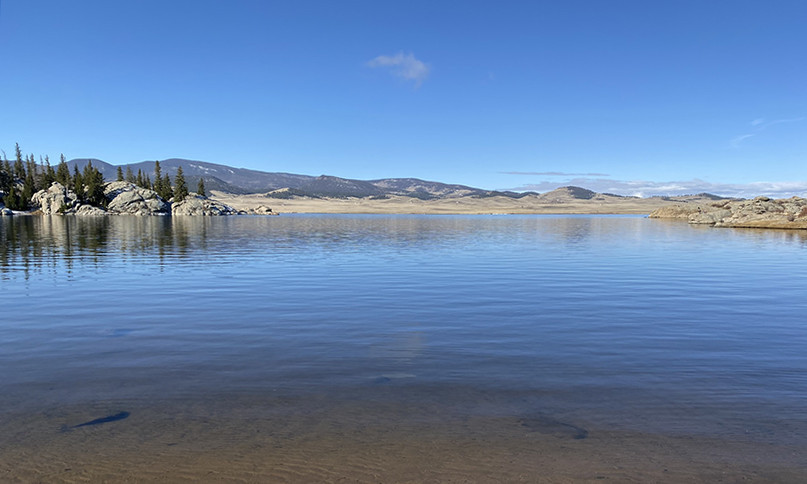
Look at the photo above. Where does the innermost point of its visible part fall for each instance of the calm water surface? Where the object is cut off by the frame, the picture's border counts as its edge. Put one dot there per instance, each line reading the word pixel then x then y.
pixel 607 322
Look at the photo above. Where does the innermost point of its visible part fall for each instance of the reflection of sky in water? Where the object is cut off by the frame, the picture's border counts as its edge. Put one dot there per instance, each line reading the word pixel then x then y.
pixel 621 319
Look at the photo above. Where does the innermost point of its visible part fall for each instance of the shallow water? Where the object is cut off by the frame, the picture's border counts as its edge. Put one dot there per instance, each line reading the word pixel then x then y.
pixel 342 327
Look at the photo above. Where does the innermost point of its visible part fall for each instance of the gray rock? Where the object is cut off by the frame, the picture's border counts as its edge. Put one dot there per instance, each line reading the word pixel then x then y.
pixel 6 212
pixel 709 216
pixel 760 212
pixel 198 205
pixel 261 210
pixel 764 212
pixel 128 198
pixel 89 210
pixel 56 199
pixel 675 211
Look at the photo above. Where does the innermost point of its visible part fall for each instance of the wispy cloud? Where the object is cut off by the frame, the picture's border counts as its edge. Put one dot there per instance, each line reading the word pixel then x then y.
pixel 644 188
pixel 737 140
pixel 551 173
pixel 404 66
pixel 759 125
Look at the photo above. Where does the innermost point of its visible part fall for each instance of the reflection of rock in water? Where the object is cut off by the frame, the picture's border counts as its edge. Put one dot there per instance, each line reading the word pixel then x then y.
pixel 556 428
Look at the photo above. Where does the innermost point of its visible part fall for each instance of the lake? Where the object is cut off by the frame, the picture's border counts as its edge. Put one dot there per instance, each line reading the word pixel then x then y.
pixel 401 348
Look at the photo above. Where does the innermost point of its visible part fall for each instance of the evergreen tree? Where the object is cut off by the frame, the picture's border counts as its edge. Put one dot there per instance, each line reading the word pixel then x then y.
pixel 63 173
pixel 158 179
pixel 19 167
pixel 168 192
pixel 28 189
pixel 120 174
pixel 7 185
pixel 78 184
pixel 94 181
pixel 200 188
pixel 129 175
pixel 140 181
pixel 180 188
pixel 49 175
pixel 5 177
pixel 147 183
pixel 12 199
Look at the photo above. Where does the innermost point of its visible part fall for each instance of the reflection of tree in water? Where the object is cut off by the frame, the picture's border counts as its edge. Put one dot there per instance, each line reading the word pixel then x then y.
pixel 58 243
pixel 31 242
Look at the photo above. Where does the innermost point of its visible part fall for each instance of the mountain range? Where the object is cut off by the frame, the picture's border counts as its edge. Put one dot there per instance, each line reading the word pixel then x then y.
pixel 242 181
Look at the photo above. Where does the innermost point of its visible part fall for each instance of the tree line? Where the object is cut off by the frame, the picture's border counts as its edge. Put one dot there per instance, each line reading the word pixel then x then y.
pixel 20 180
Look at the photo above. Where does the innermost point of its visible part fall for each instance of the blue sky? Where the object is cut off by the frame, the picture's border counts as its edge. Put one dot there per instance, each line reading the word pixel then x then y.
pixel 620 96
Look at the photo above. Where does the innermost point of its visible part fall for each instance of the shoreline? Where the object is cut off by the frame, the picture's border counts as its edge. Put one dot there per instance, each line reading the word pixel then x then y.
pixel 243 440
pixel 498 205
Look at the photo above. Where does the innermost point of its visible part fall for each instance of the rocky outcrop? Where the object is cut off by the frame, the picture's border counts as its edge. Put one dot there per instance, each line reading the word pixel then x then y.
pixel 56 199
pixel 708 217
pixel 128 198
pixel 674 211
pixel 199 205
pixel 261 210
pixel 764 212
pixel 89 210
pixel 760 212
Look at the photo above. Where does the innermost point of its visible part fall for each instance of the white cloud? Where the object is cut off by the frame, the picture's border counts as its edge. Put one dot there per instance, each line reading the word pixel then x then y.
pixel 643 188
pixel 551 173
pixel 405 66
pixel 759 125
pixel 735 142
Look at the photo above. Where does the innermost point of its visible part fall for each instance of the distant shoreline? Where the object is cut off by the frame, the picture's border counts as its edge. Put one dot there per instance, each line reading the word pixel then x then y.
pixel 499 205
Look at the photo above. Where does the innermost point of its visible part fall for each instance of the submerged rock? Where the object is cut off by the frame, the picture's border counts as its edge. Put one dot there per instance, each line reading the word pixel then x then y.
pixel 199 205
pixel 55 199
pixel 128 198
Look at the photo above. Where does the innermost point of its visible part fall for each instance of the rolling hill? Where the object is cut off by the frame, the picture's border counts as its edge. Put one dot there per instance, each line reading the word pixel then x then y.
pixel 243 181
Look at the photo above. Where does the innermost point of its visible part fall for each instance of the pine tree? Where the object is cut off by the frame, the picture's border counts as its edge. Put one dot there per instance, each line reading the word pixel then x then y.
pixel 5 177
pixel 168 192
pixel 63 173
pixel 19 167
pixel 29 183
pixel 12 199
pixel 158 179
pixel 200 189
pixel 94 181
pixel 140 181
pixel 120 174
pixel 78 184
pixel 180 188
pixel 129 175
pixel 147 183
pixel 49 175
